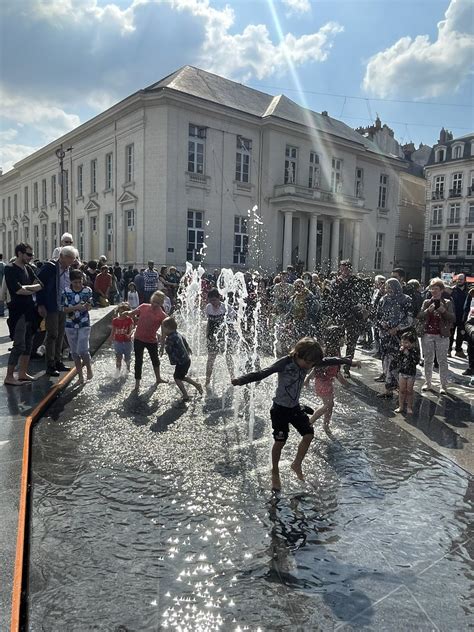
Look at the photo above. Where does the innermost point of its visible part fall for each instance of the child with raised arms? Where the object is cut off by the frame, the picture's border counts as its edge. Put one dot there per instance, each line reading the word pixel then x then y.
pixel 292 371
pixel 179 352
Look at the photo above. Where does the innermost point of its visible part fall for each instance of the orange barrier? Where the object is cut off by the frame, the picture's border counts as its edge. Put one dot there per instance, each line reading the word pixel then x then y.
pixel 24 484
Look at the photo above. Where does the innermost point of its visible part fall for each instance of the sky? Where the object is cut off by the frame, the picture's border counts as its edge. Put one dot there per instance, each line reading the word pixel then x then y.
pixel 408 61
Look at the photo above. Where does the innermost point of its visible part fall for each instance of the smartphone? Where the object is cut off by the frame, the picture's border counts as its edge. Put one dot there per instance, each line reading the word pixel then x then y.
pixel 437 303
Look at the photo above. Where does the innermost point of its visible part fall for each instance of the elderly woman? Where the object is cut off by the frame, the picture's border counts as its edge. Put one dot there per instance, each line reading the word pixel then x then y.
pixel 393 316
pixel 437 315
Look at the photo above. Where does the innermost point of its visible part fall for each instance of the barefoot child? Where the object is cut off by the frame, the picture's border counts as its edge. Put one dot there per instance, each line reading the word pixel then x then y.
pixel 178 351
pixel 292 371
pixel 122 329
pixel 150 316
pixel 406 360
pixel 77 301
pixel 324 377
pixel 218 318
pixel 132 297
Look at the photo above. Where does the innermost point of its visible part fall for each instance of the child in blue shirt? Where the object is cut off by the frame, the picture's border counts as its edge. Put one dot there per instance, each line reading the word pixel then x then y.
pixel 77 301
pixel 177 348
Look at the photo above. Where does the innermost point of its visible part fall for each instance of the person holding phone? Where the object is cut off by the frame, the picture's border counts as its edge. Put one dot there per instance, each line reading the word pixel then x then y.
pixel 77 301
pixel 437 314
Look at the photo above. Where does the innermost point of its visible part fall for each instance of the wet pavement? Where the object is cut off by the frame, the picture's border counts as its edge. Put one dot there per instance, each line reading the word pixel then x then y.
pixel 148 516
pixel 16 403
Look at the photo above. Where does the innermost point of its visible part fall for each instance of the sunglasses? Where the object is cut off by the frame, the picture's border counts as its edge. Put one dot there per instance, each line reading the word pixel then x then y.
pixel 68 242
pixel 29 254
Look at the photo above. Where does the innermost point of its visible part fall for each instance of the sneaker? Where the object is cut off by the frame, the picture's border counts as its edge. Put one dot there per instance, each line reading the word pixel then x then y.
pixel 468 372
pixel 442 390
pixel 51 371
pixel 380 378
pixel 60 366
pixel 426 387
pixel 460 354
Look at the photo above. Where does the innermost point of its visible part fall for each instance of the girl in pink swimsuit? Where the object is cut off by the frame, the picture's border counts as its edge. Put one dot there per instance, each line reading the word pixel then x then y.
pixel 324 377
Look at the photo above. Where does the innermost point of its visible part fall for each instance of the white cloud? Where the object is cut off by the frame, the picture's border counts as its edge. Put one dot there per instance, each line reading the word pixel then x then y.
pixel 421 68
pixel 46 117
pixel 298 6
pixel 8 134
pixel 10 154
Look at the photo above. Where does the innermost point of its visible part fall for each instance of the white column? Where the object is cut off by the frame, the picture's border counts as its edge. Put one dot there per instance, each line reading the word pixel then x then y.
pixel 313 236
pixel 335 243
pixel 287 238
pixel 356 247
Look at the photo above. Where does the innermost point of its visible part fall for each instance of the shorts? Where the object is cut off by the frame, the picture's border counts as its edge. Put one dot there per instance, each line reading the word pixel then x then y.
pixel 324 388
pixel 123 348
pixel 181 370
pixel 282 417
pixel 409 378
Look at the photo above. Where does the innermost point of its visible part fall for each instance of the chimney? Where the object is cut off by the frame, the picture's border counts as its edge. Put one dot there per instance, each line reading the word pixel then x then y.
pixel 324 113
pixel 442 136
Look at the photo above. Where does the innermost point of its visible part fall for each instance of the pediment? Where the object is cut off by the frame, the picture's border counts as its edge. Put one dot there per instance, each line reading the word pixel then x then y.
pixel 127 198
pixel 24 219
pixel 3 226
pixel 43 216
pixel 15 223
pixel 92 206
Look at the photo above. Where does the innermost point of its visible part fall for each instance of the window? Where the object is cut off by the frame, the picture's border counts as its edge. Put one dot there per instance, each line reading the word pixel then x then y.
pixel 54 235
pixel 25 195
pixel 3 208
pixel 314 179
pixel 457 183
pixel 291 157
pixel 383 188
pixel 359 183
pixel 435 244
pixel 94 176
pixel 241 240
pixel 440 155
pixel 93 224
pixel 438 193
pixel 129 163
pixel 26 233
pixel 108 172
pixel 108 232
pixel 66 225
pixel 35 195
pixel 44 239
pixel 470 214
pixel 66 184
pixel 80 171
pixel 336 175
pixel 15 204
pixel 44 199
pixel 195 241
pixel 130 220
pixel 457 152
pixel 379 243
pixel 453 239
pixel 437 215
pixel 53 189
pixel 36 239
pixel 9 207
pixel 470 244
pixel 242 159
pixel 80 237
pixel 196 149
pixel 454 216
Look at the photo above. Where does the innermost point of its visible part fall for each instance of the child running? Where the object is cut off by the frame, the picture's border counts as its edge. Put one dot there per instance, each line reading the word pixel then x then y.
pixel 122 329
pixel 324 377
pixel 292 371
pixel 77 301
pixel 150 316
pixel 178 351
pixel 218 319
pixel 406 360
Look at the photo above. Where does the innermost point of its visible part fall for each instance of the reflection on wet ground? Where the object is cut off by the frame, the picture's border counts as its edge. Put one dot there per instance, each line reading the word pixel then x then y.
pixel 151 517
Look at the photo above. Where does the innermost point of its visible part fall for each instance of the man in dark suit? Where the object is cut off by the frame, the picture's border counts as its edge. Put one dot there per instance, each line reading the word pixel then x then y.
pixel 55 278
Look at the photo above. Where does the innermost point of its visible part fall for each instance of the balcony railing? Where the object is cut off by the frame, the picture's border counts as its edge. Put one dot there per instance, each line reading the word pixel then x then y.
pixel 296 190
pixel 437 195
pixel 454 221
pixel 470 191
pixel 455 193
pixel 445 254
pixel 436 224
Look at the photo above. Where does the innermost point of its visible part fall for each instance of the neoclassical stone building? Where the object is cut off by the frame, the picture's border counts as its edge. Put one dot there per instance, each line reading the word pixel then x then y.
pixel 172 173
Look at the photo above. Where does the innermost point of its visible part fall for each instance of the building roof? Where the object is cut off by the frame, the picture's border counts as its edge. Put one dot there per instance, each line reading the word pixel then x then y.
pixel 448 144
pixel 210 87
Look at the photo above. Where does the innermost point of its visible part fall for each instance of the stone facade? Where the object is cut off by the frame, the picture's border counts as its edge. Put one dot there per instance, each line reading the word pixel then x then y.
pixel 173 172
pixel 449 234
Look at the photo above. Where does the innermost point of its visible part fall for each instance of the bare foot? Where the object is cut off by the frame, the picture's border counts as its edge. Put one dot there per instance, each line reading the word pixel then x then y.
pixel 90 375
pixel 10 381
pixel 409 411
pixel 137 385
pixel 297 470
pixel 276 483
pixel 161 381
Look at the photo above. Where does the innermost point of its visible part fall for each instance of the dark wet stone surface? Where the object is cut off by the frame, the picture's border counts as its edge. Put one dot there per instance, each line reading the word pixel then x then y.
pixel 150 517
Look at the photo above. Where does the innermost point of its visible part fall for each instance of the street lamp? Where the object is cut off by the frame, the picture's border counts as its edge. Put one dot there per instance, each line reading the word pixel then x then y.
pixel 60 154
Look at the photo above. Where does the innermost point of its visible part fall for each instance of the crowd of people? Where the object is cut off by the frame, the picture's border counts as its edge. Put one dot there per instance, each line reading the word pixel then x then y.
pixel 304 319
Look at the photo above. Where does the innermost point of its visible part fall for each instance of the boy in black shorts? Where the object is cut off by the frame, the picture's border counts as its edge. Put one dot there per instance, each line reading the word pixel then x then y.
pixel 292 370
pixel 177 348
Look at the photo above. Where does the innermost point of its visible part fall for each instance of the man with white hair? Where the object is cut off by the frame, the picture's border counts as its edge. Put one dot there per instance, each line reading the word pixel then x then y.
pixel 55 278
pixel 66 240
